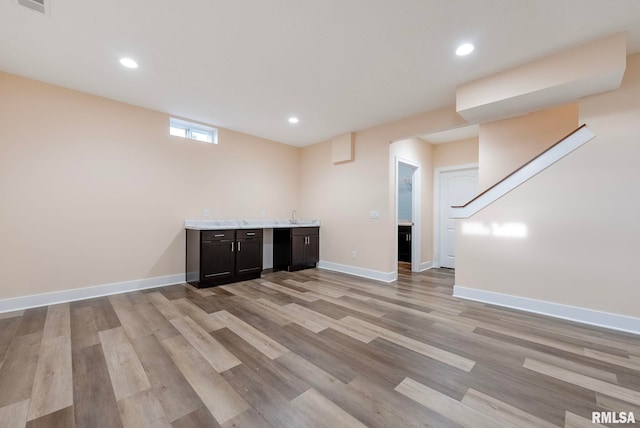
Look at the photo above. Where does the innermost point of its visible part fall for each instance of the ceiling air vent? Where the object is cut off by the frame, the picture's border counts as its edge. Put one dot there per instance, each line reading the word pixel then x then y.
pixel 41 6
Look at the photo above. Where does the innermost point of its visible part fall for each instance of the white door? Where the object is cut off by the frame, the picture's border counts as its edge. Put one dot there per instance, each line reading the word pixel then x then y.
pixel 456 188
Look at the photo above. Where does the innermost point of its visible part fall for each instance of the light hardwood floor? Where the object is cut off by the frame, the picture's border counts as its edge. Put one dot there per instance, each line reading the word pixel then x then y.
pixel 308 349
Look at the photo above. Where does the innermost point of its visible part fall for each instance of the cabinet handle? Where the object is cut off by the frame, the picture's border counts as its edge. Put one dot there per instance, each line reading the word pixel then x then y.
pixel 219 236
pixel 239 246
pixel 232 246
pixel 251 234
pixel 409 236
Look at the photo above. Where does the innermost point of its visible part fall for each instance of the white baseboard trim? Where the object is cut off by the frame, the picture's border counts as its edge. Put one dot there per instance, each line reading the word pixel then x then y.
pixel 557 310
pixel 425 266
pixel 357 271
pixel 45 299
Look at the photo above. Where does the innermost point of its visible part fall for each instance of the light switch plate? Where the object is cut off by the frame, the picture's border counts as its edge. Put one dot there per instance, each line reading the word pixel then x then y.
pixel 374 214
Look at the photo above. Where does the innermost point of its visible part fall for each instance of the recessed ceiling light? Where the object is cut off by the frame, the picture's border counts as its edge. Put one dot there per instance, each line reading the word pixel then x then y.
pixel 464 49
pixel 128 62
pixel 293 119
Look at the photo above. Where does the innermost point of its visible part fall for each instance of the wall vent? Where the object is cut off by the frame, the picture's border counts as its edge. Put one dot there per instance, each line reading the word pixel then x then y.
pixel 41 6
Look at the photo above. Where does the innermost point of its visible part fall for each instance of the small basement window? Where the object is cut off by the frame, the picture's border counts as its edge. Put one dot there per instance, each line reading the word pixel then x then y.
pixel 194 131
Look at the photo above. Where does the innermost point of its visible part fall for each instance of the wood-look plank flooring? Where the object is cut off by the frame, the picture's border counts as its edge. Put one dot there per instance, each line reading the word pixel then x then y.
pixel 308 349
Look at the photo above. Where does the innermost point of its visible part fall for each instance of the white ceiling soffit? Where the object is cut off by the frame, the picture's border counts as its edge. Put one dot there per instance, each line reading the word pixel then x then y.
pixel 558 79
pixel 339 66
pixel 457 134
pixel 42 6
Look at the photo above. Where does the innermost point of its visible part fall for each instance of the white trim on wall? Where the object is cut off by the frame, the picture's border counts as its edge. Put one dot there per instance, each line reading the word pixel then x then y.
pixel 45 299
pixel 426 266
pixel 64 296
pixel 357 271
pixel 436 204
pixel 556 310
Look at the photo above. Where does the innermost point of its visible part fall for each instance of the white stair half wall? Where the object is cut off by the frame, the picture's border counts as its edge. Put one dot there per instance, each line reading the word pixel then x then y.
pixel 556 152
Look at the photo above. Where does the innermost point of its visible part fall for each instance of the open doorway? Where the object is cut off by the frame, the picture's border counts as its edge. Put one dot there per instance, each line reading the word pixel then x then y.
pixel 420 156
pixel 408 212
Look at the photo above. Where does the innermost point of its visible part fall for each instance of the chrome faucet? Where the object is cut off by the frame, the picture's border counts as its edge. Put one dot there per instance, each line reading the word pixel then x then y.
pixel 293 216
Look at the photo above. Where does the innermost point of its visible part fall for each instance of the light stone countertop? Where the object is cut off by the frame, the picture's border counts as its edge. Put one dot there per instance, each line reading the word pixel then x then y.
pixel 247 224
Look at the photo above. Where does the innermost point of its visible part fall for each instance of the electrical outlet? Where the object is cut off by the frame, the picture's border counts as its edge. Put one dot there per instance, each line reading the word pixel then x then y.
pixel 263 213
pixel 354 254
pixel 374 214
pixel 206 213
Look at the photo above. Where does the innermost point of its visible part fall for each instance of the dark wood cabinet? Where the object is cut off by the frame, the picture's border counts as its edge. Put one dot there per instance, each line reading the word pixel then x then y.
pixel 216 257
pixel 248 251
pixel 298 244
pixel 296 248
pixel 404 243
pixel 312 250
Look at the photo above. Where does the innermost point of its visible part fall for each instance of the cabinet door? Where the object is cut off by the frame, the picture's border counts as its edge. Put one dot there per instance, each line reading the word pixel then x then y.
pixel 298 249
pixel 312 249
pixel 218 259
pixel 404 247
pixel 249 255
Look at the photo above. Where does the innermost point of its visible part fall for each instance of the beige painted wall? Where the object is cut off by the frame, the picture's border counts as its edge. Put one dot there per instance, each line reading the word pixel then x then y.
pixel 343 195
pixel 95 191
pixel 581 215
pixel 507 144
pixel 455 153
pixel 420 152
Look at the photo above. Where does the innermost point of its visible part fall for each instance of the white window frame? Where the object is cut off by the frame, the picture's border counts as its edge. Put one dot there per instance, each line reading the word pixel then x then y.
pixel 191 127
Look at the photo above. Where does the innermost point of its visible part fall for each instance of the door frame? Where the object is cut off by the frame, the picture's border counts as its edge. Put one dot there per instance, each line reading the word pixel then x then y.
pixel 416 208
pixel 437 172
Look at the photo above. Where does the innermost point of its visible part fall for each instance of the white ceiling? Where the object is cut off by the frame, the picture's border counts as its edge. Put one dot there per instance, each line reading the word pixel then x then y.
pixel 339 65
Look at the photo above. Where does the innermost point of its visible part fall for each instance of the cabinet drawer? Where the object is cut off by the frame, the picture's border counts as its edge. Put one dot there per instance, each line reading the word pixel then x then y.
pixel 248 233
pixel 306 231
pixel 218 235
